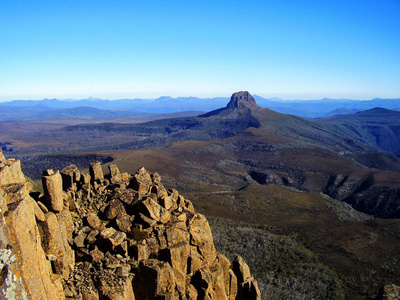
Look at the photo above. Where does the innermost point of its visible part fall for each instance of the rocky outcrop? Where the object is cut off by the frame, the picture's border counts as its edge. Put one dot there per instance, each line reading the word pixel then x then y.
pixel 242 100
pixel 27 271
pixel 10 171
pixel 114 236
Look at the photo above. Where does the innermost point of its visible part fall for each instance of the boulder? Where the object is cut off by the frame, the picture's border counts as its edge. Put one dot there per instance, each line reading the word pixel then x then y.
pixel 141 182
pixel 70 176
pixel 247 285
pixel 113 237
pixel 10 171
pixel 201 236
pixel 39 281
pixel 56 244
pixel 53 190
pixel 93 221
pixel 154 279
pixel 114 209
pixel 122 233
pixel 177 256
pixel 96 172
pixel 155 211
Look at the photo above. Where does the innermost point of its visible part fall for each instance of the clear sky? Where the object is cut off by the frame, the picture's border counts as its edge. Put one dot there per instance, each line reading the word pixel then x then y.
pixel 293 49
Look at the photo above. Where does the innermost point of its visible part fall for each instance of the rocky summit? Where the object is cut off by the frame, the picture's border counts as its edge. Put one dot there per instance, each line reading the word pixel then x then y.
pixel 109 236
pixel 242 100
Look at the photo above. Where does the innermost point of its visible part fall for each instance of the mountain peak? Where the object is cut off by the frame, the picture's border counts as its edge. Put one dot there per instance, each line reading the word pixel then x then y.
pixel 242 99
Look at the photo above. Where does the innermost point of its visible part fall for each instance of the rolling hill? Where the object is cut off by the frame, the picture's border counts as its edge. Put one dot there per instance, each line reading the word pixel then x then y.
pixel 283 191
pixel 377 127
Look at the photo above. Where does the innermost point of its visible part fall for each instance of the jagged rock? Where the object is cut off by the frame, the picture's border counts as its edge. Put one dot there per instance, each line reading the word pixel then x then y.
pixel 91 238
pixel 90 295
pixel 141 182
pixel 196 261
pixel 33 267
pixel 114 209
pixel 96 254
pixel 70 176
pixel 123 271
pixel 149 222
pixel 247 285
pixel 130 238
pixel 115 176
pixel 242 99
pixel 95 171
pixel 124 222
pixel 39 214
pixel 222 271
pixel 127 196
pixel 120 291
pixel 114 171
pixel 56 244
pixel 79 239
pixel 93 220
pixel 177 233
pixel 232 285
pixel 10 171
pixel 202 281
pixel 166 202
pixel 53 192
pixel 201 236
pixel 140 252
pixel 154 279
pixel 155 211
pixel 85 178
pixel 177 257
pixel 113 237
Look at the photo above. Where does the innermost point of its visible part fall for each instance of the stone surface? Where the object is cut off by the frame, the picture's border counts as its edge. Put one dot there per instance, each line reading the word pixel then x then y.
pixel 127 237
pixel 201 236
pixel 39 281
pixel 242 100
pixel 53 190
pixel 70 176
pixel 95 170
pixel 56 244
pixel 247 285
pixel 154 279
pixel 10 171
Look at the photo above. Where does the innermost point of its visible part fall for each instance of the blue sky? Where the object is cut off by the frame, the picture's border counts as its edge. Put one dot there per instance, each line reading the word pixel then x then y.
pixel 293 49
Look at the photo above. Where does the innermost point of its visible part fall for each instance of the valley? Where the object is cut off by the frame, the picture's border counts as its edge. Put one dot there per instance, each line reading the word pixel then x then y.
pixel 312 206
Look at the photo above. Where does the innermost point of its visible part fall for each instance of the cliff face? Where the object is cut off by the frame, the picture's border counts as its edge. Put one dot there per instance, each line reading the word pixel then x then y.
pixel 109 236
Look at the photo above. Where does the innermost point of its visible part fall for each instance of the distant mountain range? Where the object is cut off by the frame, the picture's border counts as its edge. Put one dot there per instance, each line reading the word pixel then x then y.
pixel 305 108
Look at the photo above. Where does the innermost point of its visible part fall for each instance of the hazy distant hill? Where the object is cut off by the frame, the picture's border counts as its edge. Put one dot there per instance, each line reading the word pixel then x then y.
pixel 342 111
pixel 376 127
pixel 305 108
pixel 227 122
pixel 82 114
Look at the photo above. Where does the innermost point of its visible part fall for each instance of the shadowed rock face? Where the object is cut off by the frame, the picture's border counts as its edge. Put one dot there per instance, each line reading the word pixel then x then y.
pixel 242 100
